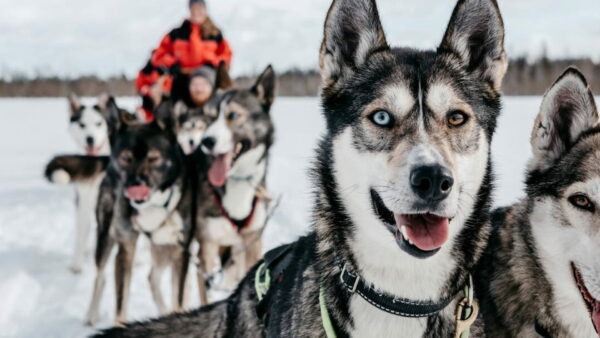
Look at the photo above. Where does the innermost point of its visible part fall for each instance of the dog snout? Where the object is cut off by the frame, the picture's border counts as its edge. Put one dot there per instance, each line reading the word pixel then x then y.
pixel 191 143
pixel 432 183
pixel 209 143
pixel 89 141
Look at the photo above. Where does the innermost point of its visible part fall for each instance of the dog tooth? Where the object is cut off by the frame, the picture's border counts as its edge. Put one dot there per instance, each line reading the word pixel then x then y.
pixel 403 231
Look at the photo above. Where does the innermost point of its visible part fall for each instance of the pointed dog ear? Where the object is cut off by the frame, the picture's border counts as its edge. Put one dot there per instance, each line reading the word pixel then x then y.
pixel 568 110
pixel 74 104
pixel 264 88
pixel 475 35
pixel 353 32
pixel 223 81
pixel 164 116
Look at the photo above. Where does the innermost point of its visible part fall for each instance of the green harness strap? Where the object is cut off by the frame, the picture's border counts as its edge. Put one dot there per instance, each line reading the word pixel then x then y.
pixel 325 318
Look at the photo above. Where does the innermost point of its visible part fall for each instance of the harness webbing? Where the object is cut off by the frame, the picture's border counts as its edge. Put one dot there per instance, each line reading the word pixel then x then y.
pixel 238 224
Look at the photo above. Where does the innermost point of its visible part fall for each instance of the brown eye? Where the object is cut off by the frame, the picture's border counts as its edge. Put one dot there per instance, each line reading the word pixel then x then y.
pixel 125 158
pixel 457 119
pixel 581 201
pixel 154 157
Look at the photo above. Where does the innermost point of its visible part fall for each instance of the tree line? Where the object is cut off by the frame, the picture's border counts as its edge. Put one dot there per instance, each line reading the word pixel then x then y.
pixel 523 78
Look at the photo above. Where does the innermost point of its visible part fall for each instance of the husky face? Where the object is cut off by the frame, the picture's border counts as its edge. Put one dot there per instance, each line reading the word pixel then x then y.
pixel 190 126
pixel 242 123
pixel 564 187
pixel 88 125
pixel 147 157
pixel 410 130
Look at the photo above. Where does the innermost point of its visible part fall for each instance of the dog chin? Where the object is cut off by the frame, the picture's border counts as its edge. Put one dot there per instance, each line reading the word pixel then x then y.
pixel 421 234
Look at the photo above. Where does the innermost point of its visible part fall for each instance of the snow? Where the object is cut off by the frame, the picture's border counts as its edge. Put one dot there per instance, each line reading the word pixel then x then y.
pixel 41 296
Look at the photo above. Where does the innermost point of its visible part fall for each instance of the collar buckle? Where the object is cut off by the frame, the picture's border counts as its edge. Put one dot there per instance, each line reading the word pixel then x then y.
pixel 354 284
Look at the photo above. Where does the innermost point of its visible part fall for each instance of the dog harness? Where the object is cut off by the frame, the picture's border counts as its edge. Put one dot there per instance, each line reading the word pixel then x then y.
pixel 158 219
pixel 276 262
pixel 238 224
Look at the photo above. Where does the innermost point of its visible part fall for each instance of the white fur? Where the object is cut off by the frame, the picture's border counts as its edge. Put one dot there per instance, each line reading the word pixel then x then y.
pixel 60 177
pixel 87 196
pixel 162 222
pixel 190 135
pixel 91 124
pixel 221 133
pixel 559 245
pixel 382 263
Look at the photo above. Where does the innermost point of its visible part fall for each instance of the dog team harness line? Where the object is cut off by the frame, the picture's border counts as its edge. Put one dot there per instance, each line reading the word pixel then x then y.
pixel 238 224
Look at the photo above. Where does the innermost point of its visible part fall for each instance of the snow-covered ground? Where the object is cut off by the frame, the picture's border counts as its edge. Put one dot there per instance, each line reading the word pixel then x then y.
pixel 39 296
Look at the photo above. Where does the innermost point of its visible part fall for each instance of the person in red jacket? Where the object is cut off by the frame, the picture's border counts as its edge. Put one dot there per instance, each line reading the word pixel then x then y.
pixel 196 43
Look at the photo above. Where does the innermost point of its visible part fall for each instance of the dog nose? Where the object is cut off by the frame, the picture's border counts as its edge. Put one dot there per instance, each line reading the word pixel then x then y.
pixel 432 183
pixel 89 140
pixel 209 143
pixel 192 143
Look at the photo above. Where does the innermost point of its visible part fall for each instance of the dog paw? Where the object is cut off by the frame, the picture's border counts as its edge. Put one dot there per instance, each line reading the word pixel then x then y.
pixel 60 177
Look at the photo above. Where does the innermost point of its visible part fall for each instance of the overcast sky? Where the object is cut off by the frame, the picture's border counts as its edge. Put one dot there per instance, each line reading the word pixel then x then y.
pixel 108 37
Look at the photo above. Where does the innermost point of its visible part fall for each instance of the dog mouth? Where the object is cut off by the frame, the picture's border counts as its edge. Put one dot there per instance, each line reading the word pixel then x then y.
pixel 221 164
pixel 419 235
pixel 138 193
pixel 592 304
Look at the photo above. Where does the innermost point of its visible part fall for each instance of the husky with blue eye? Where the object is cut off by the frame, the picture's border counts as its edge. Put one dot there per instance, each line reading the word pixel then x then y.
pixel 541 275
pixel 402 191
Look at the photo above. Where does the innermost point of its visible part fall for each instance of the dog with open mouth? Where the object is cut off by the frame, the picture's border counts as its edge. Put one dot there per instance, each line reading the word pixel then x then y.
pixel 402 192
pixel 89 127
pixel 540 275
pixel 233 214
pixel 146 191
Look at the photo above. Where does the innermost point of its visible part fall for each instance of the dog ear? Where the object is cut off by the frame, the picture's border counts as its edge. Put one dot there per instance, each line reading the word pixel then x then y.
pixel 223 81
pixel 74 104
pixel 353 32
pixel 264 88
pixel 180 108
pixel 568 110
pixel 475 35
pixel 164 116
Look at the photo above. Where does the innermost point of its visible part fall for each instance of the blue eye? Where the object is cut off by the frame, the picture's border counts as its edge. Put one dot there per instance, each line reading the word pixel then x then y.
pixel 233 116
pixel 382 118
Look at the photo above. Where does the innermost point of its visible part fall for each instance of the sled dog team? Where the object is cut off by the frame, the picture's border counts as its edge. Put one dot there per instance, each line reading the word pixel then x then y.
pixel 403 243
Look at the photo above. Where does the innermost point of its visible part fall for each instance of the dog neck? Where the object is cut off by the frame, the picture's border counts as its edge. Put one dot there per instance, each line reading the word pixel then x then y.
pixel 555 245
pixel 246 175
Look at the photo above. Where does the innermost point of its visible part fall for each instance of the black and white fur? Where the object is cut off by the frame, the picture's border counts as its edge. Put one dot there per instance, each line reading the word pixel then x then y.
pixel 527 276
pixel 362 178
pixel 241 126
pixel 89 127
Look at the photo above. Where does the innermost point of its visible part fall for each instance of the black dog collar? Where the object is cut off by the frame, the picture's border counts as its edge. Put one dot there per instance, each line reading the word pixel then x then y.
pixel 388 303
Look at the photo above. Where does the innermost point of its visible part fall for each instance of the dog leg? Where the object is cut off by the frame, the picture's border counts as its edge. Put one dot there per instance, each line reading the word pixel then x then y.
pixel 103 250
pixel 178 279
pixel 154 278
pixel 86 202
pixel 123 267
pixel 210 263
pixel 253 245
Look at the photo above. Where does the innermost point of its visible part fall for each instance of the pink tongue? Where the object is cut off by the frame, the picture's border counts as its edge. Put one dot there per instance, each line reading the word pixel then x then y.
pixel 217 175
pixel 596 317
pixel 427 232
pixel 92 151
pixel 138 192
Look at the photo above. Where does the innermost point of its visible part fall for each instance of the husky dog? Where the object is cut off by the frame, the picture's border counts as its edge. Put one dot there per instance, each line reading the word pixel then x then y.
pixel 235 210
pixel 190 126
pixel 89 128
pixel 542 269
pixel 402 190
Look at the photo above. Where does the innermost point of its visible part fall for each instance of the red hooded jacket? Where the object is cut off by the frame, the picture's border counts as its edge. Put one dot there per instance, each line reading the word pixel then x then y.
pixel 148 76
pixel 189 47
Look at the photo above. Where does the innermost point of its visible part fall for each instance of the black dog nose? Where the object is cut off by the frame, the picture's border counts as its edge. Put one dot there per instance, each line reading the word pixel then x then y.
pixel 432 183
pixel 89 140
pixel 209 143
pixel 191 143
